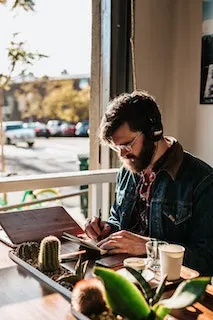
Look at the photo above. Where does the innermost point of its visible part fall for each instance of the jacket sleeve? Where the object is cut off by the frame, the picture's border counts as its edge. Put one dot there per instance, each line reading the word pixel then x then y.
pixel 114 217
pixel 199 251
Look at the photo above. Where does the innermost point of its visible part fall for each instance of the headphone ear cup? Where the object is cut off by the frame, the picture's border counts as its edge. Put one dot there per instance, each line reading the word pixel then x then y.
pixel 156 131
pixel 157 135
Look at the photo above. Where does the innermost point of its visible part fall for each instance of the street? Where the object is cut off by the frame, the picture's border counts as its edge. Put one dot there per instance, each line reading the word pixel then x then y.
pixel 53 155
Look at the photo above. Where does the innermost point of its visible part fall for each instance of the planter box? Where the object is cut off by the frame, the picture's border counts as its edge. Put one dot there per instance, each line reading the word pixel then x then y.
pixel 53 284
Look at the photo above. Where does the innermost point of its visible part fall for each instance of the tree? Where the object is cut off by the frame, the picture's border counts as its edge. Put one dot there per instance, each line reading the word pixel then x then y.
pixel 16 51
pixel 66 103
pixel 16 54
pixel 27 5
pixel 54 99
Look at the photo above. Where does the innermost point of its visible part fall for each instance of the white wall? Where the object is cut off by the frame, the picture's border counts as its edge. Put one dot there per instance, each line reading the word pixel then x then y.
pixel 168 55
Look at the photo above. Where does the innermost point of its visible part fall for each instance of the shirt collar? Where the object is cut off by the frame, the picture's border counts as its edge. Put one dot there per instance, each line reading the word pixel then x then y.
pixel 171 160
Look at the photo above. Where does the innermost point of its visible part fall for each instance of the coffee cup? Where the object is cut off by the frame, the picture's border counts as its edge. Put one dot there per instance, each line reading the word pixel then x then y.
pixel 135 263
pixel 171 259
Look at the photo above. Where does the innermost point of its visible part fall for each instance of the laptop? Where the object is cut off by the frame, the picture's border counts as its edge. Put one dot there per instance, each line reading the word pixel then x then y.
pixel 35 224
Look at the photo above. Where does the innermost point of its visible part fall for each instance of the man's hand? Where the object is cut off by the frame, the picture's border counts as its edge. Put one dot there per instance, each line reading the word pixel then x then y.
pixel 124 242
pixel 96 229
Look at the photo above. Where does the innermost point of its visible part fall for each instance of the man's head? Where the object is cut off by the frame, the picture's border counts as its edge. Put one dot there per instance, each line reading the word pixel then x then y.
pixel 131 126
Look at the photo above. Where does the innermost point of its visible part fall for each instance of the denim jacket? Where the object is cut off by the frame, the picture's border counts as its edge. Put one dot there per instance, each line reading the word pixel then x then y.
pixel 181 208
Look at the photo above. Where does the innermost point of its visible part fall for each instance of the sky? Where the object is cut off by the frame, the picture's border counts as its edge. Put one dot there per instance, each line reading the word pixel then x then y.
pixel 60 29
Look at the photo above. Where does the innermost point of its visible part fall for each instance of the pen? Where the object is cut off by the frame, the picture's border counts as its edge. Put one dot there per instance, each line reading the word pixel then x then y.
pixel 99 218
pixel 99 222
pixel 67 257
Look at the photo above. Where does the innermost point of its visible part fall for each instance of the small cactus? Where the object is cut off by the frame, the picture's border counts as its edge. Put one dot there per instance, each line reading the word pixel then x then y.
pixel 28 251
pixel 88 297
pixel 49 254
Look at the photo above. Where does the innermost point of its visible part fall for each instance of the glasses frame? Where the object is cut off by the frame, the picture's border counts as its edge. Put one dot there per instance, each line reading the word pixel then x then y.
pixel 125 147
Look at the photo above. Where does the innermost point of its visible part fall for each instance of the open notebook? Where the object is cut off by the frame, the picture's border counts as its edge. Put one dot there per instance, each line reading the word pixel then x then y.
pixel 34 225
pixel 84 242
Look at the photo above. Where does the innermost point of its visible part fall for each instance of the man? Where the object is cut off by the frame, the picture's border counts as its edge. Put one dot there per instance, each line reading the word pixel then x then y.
pixel 162 191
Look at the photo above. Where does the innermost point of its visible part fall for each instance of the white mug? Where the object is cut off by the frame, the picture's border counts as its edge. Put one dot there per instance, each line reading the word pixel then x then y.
pixel 171 259
pixel 136 263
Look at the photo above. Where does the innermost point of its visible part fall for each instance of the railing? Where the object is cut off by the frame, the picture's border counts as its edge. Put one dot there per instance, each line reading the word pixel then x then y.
pixel 95 178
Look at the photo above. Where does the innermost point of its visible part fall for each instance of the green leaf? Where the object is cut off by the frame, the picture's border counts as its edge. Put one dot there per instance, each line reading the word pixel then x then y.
pixel 160 312
pixel 144 285
pixel 123 296
pixel 159 291
pixel 186 294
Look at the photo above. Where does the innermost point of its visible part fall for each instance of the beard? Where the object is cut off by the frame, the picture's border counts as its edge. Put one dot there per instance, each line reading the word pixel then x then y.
pixel 142 161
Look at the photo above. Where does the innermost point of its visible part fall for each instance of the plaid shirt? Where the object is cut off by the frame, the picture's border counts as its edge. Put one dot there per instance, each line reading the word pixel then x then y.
pixel 139 221
pixel 140 215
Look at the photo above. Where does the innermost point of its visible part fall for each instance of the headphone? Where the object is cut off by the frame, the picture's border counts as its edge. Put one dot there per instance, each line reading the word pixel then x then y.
pixel 154 130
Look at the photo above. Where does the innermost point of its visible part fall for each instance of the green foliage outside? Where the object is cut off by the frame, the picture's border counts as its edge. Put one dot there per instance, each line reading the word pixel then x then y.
pixel 53 99
pixel 16 52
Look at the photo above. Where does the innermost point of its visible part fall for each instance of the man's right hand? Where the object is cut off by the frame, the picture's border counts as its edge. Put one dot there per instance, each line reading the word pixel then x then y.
pixel 96 229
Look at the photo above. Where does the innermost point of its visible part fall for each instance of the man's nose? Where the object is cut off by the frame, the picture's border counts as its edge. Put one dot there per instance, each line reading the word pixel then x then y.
pixel 123 152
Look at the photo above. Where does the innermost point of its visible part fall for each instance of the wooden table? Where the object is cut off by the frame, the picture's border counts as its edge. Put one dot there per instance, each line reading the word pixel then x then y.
pixel 23 297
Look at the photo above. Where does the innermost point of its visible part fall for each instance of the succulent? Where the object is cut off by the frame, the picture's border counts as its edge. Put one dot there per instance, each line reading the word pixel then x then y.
pixel 49 254
pixel 79 274
pixel 28 251
pixel 152 295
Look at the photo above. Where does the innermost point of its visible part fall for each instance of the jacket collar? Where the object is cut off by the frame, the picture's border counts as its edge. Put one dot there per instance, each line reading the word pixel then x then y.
pixel 171 160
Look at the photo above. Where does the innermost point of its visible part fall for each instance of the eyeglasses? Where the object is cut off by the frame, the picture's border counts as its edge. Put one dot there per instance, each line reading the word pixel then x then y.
pixel 125 147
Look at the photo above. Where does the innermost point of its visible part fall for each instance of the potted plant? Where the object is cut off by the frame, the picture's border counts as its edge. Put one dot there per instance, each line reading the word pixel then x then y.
pixel 111 295
pixel 46 258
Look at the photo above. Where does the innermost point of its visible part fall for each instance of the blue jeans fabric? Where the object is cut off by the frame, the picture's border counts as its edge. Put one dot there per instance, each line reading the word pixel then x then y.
pixel 181 209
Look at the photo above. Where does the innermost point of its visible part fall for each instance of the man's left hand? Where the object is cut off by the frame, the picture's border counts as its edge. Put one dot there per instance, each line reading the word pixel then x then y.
pixel 124 242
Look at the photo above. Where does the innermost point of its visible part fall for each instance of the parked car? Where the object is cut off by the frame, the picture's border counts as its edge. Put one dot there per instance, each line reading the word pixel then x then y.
pixel 82 128
pixel 68 129
pixel 40 128
pixel 54 127
pixel 14 133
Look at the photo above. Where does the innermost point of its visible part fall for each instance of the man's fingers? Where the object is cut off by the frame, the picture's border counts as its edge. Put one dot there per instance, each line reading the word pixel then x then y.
pixel 105 231
pixel 97 229
pixel 113 247
pixel 100 243
pixel 94 224
pixel 91 233
pixel 108 245
pixel 92 228
pixel 117 250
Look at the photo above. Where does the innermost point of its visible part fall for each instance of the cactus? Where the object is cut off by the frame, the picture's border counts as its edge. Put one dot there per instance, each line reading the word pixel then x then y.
pixel 88 297
pixel 28 251
pixel 49 254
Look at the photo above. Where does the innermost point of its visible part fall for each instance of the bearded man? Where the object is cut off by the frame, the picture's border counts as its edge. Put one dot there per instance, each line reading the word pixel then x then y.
pixel 162 191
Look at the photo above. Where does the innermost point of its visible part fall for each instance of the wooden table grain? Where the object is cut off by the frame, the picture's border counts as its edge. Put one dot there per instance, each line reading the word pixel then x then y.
pixel 23 297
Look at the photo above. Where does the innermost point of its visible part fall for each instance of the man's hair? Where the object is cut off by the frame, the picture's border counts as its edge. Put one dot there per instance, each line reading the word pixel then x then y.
pixel 139 109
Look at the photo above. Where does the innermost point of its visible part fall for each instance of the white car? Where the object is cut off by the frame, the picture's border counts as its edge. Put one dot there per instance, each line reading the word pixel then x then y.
pixel 15 133
pixel 54 127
